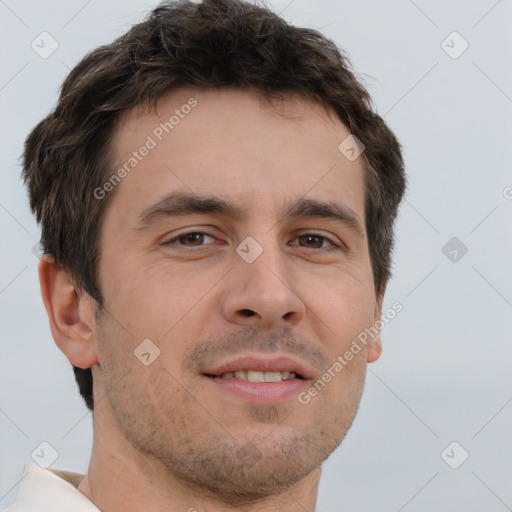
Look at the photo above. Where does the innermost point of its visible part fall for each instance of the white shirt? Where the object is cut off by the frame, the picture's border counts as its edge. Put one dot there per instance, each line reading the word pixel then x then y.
pixel 50 490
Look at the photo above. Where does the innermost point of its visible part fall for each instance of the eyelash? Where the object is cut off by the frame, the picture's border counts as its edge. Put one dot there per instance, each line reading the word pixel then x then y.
pixel 333 247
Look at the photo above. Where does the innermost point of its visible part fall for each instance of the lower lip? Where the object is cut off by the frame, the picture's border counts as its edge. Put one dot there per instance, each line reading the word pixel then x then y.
pixel 262 392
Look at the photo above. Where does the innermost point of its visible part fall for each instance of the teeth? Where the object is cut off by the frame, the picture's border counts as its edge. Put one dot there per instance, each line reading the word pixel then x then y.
pixel 255 376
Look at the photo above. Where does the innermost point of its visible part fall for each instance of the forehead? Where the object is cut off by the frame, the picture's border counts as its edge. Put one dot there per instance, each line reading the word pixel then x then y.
pixel 231 142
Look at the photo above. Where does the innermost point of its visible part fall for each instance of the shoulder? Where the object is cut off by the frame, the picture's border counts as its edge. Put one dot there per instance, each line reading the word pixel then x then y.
pixel 50 490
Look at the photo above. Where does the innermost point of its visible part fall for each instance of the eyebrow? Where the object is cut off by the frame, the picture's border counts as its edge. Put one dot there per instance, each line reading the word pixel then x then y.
pixel 179 204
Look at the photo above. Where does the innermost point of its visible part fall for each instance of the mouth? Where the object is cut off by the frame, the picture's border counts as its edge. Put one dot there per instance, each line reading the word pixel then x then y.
pixel 257 376
pixel 260 380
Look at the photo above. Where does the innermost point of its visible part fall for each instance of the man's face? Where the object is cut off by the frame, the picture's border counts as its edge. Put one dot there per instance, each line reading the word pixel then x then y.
pixel 211 303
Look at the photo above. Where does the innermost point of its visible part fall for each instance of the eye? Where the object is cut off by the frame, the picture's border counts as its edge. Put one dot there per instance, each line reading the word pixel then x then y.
pixel 308 240
pixel 191 239
pixel 315 241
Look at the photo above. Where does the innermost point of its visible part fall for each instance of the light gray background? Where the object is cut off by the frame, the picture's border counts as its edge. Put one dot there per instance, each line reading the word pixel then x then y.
pixel 445 370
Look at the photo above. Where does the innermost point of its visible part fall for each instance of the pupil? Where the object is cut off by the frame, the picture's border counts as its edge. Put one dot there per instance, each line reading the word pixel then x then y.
pixel 310 238
pixel 194 237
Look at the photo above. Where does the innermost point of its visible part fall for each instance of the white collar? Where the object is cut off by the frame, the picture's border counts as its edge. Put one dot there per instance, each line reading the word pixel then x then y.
pixel 50 490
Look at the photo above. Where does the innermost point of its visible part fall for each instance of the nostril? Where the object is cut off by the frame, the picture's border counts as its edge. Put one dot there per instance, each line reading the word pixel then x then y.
pixel 247 312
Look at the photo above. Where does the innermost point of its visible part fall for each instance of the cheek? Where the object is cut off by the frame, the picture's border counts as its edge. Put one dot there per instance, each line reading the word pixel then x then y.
pixel 132 370
pixel 162 302
pixel 345 305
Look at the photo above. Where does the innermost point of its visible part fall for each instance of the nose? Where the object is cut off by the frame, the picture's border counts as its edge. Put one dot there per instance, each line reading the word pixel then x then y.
pixel 262 293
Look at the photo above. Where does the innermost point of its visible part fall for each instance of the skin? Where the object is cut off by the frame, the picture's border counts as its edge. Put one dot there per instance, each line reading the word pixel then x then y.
pixel 165 438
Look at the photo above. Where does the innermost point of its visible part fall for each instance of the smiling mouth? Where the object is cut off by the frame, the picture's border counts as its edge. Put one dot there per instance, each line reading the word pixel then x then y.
pixel 257 376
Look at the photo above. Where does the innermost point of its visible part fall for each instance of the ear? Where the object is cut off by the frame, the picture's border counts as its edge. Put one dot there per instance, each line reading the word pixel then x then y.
pixel 375 345
pixel 71 314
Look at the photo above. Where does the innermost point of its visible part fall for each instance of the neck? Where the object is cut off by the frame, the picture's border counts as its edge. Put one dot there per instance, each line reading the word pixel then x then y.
pixel 121 478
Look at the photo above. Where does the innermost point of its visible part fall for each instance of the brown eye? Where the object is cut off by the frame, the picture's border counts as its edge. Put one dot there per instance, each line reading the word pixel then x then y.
pixel 191 239
pixel 314 241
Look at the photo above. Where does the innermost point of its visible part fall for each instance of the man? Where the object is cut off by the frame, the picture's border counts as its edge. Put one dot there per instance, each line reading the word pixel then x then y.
pixel 217 201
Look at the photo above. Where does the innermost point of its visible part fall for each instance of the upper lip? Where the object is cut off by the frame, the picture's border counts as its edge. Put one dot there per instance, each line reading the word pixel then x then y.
pixel 261 364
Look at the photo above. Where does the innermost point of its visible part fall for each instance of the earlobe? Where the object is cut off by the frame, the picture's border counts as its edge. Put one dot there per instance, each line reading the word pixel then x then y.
pixel 71 315
pixel 375 345
pixel 374 349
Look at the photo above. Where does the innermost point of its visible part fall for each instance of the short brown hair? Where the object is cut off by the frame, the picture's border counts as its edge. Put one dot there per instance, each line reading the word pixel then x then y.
pixel 212 44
